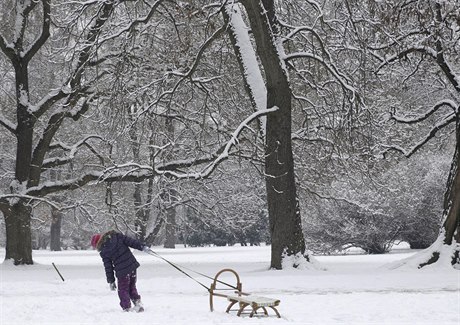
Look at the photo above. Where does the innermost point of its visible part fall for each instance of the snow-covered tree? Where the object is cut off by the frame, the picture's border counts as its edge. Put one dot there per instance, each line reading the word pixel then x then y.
pixel 415 44
pixel 64 122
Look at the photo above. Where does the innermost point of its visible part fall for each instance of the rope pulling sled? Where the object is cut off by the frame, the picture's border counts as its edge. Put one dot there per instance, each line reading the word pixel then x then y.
pixel 239 297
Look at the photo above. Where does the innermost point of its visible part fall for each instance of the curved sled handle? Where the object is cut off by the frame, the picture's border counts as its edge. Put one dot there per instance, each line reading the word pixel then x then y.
pixel 214 284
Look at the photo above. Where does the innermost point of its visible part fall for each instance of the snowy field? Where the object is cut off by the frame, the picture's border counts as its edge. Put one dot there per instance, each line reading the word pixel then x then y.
pixel 355 289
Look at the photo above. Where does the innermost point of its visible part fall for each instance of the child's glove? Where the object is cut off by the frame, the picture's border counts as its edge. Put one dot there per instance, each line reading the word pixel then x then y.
pixel 113 286
pixel 146 249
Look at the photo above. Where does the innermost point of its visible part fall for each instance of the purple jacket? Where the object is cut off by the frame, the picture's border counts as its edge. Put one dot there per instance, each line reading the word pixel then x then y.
pixel 116 255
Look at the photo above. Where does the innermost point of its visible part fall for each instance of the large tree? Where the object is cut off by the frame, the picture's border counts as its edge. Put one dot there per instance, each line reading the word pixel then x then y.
pixel 284 53
pixel 92 33
pixel 86 42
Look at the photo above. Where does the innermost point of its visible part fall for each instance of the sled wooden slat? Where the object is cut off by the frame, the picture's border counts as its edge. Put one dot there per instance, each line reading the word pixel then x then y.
pixel 242 299
pixel 255 302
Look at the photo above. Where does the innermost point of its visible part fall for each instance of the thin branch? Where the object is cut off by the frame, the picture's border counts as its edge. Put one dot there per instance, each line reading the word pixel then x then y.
pixel 191 70
pixel 329 66
pixel 401 55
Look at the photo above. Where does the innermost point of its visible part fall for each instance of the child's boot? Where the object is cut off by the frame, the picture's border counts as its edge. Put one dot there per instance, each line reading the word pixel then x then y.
pixel 138 307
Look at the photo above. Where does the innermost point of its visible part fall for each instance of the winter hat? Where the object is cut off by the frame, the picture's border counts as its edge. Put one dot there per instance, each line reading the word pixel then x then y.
pixel 95 239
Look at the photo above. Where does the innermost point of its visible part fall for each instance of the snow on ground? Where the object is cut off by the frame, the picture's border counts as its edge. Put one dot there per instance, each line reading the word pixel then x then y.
pixel 355 289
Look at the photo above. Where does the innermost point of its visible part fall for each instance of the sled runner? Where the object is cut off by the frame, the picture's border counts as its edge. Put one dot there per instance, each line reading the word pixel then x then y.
pixel 241 298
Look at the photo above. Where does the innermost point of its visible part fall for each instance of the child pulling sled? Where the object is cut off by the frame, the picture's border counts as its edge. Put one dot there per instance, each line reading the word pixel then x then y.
pixel 118 258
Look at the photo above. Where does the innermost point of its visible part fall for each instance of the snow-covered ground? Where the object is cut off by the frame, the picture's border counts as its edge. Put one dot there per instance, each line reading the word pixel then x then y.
pixel 355 289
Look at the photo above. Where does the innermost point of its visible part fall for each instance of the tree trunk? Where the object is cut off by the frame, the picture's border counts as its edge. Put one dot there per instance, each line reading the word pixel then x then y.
pixel 169 198
pixel 18 214
pixel 55 231
pixel 450 229
pixel 154 233
pixel 140 222
pixel 56 216
pixel 451 224
pixel 18 234
pixel 170 227
pixel 283 208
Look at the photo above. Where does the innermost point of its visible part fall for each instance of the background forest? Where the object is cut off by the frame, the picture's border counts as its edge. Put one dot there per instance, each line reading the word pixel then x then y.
pixel 160 119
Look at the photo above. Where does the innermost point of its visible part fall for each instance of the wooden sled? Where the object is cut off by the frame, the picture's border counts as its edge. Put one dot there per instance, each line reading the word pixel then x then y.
pixel 241 298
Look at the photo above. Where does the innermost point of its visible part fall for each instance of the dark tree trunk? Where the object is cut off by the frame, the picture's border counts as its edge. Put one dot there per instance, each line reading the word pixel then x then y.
pixel 452 199
pixel 55 232
pixel 56 217
pixel 169 197
pixel 283 208
pixel 450 230
pixel 170 227
pixel 18 215
pixel 18 234
pixel 451 225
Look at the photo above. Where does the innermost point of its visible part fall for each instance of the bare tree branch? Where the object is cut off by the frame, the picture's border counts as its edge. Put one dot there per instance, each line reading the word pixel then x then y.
pixel 7 124
pixel 431 134
pixel 45 33
pixel 422 117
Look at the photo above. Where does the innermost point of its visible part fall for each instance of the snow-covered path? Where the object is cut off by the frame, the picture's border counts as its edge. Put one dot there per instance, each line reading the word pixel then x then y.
pixel 355 289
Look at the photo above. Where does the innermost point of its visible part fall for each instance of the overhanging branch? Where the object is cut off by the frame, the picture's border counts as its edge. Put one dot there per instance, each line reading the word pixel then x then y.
pixel 445 122
pixel 422 117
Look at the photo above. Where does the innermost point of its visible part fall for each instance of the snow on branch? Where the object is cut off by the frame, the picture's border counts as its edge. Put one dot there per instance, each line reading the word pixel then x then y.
pixel 224 152
pixel 248 57
pixel 7 124
pixel 116 174
pixel 188 74
pixel 71 184
pixel 448 119
pixel 254 81
pixel 134 23
pixel 23 8
pixel 414 49
pixel 330 66
pixel 91 40
pixel 48 100
pixel 74 81
pixel 132 172
pixel 7 48
pixel 422 117
pixel 397 40
pixel 58 161
pixel 30 198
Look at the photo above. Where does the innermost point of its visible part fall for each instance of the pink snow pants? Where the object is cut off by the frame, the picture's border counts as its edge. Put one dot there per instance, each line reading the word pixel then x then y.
pixel 127 290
